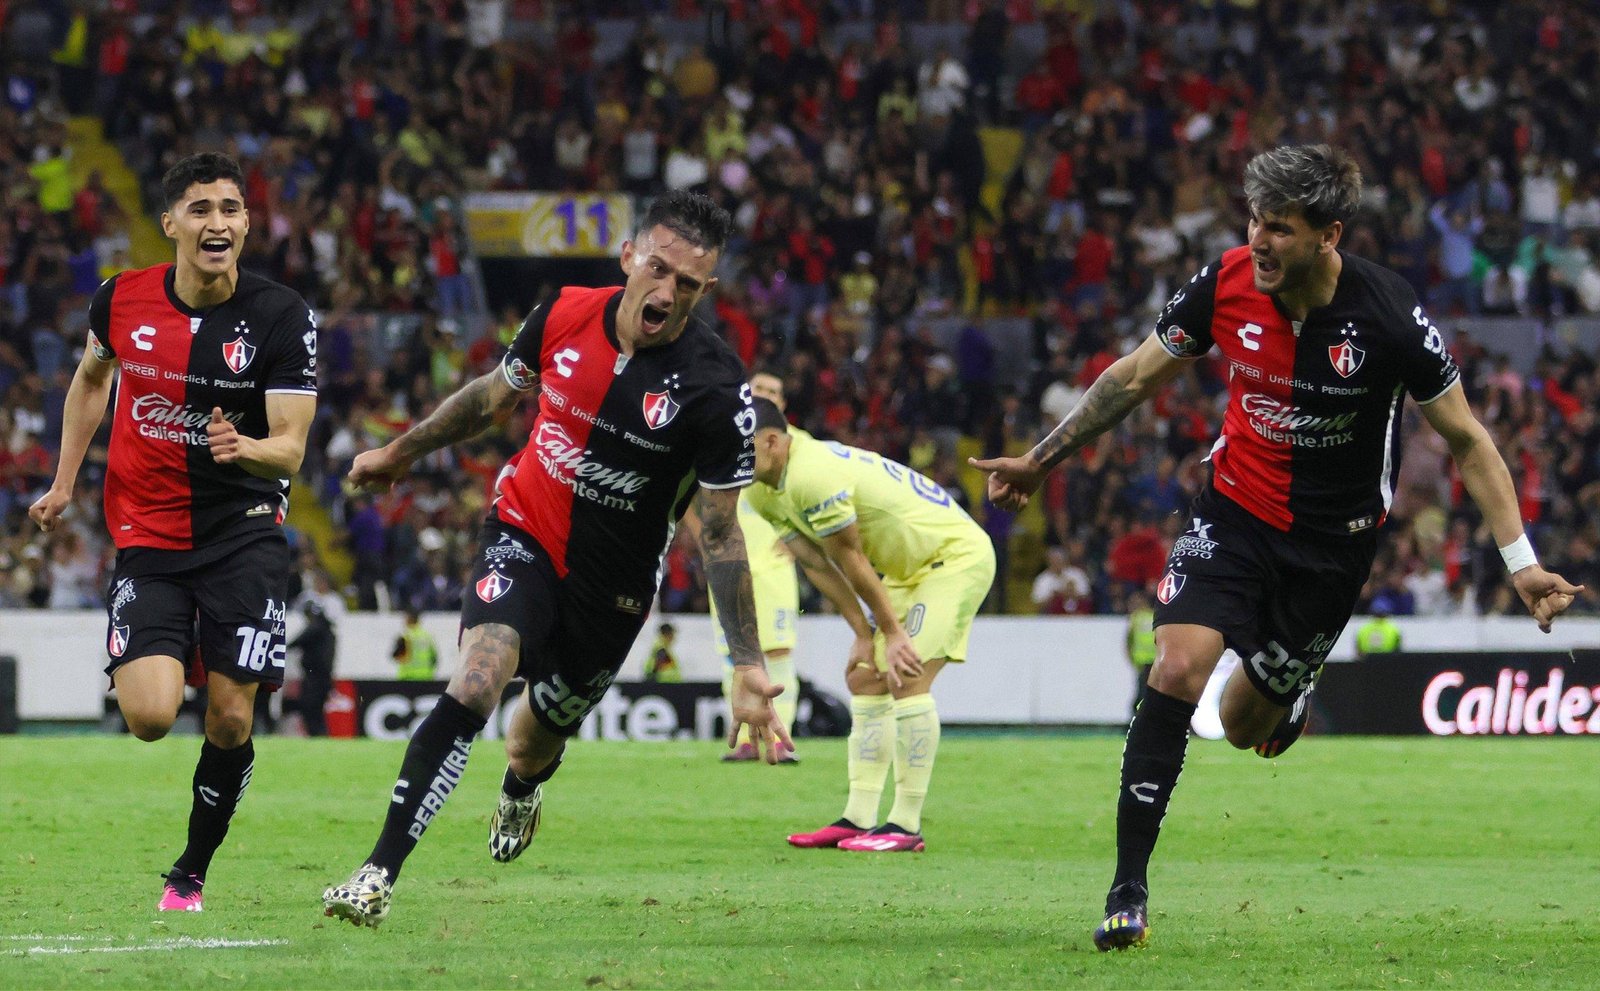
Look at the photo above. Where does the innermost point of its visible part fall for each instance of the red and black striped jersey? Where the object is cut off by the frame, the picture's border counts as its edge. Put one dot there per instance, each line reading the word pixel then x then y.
pixel 619 443
pixel 163 490
pixel 1311 437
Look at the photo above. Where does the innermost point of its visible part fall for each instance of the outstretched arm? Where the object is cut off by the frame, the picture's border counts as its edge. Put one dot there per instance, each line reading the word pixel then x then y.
pixel 85 407
pixel 722 551
pixel 1488 481
pixel 1130 380
pixel 469 411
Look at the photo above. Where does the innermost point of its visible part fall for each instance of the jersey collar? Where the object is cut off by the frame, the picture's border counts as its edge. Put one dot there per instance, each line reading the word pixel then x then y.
pixel 169 281
pixel 608 319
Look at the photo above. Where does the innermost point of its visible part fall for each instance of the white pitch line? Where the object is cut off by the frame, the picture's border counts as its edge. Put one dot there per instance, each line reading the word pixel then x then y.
pixel 180 943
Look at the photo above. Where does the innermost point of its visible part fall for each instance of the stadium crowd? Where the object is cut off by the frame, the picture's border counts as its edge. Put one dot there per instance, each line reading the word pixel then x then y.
pixel 848 139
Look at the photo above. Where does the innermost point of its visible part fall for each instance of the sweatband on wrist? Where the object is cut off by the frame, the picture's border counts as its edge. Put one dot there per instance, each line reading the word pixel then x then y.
pixel 1519 554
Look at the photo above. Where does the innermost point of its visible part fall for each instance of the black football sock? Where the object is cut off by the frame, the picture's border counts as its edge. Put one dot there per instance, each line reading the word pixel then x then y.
pixel 220 778
pixel 523 787
pixel 1151 762
pixel 433 765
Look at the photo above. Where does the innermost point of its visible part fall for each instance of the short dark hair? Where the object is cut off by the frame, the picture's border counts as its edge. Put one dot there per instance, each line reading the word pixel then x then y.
pixel 693 216
pixel 1324 182
pixel 768 415
pixel 207 166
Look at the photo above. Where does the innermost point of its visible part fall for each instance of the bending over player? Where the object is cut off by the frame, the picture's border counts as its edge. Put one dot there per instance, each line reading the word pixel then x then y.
pixel 850 515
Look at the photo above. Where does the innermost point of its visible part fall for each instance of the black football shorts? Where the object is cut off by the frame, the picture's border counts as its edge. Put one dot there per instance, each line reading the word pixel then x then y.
pixel 574 637
pixel 230 607
pixel 1279 601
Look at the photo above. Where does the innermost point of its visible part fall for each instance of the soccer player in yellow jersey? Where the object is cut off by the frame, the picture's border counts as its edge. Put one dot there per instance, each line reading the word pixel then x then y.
pixel 777 595
pixel 849 516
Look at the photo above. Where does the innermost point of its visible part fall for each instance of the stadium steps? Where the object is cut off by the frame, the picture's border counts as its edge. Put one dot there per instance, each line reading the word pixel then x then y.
pixel 310 517
pixel 91 151
pixel 1002 150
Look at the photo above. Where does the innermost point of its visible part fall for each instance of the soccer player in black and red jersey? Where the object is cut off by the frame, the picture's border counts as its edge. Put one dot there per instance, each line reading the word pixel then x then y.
pixel 216 389
pixel 1323 348
pixel 640 412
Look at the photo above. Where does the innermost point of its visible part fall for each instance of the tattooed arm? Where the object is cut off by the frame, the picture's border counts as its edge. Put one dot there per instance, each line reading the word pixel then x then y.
pixel 728 574
pixel 467 412
pixel 1130 380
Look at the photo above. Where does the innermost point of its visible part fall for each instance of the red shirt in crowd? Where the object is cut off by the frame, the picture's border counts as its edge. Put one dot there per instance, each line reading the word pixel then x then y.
pixel 1093 267
pixel 1040 93
pixel 1137 556
pixel 446 263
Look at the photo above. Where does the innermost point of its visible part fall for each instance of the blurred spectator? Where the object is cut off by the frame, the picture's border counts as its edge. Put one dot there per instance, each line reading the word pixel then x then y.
pixel 1062 588
pixel 866 211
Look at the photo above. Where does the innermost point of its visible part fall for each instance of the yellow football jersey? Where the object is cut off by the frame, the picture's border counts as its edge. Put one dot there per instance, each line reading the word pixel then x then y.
pixel 907 521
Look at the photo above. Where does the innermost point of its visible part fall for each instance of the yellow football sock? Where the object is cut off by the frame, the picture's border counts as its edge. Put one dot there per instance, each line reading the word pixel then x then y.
pixel 872 749
pixel 780 671
pixel 916 726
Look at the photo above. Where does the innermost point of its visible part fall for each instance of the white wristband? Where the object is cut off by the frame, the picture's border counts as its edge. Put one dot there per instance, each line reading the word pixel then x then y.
pixel 1519 554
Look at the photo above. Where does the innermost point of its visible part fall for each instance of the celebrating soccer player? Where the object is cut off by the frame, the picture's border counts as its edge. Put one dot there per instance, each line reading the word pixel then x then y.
pixel 637 407
pixel 1323 347
pixel 217 391
pixel 850 515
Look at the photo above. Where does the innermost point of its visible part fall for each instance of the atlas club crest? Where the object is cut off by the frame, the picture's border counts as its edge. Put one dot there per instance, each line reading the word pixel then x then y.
pixel 118 643
pixel 493 585
pixel 238 353
pixel 1171 585
pixel 1346 358
pixel 659 409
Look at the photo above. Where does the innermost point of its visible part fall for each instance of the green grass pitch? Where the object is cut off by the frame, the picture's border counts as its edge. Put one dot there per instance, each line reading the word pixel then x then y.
pixel 1348 863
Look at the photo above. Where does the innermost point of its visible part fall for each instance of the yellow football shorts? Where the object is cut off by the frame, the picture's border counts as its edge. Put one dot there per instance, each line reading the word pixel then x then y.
pixel 938 605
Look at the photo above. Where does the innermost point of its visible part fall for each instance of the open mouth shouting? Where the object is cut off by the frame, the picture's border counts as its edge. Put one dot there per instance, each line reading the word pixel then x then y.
pixel 653 318
pixel 215 248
